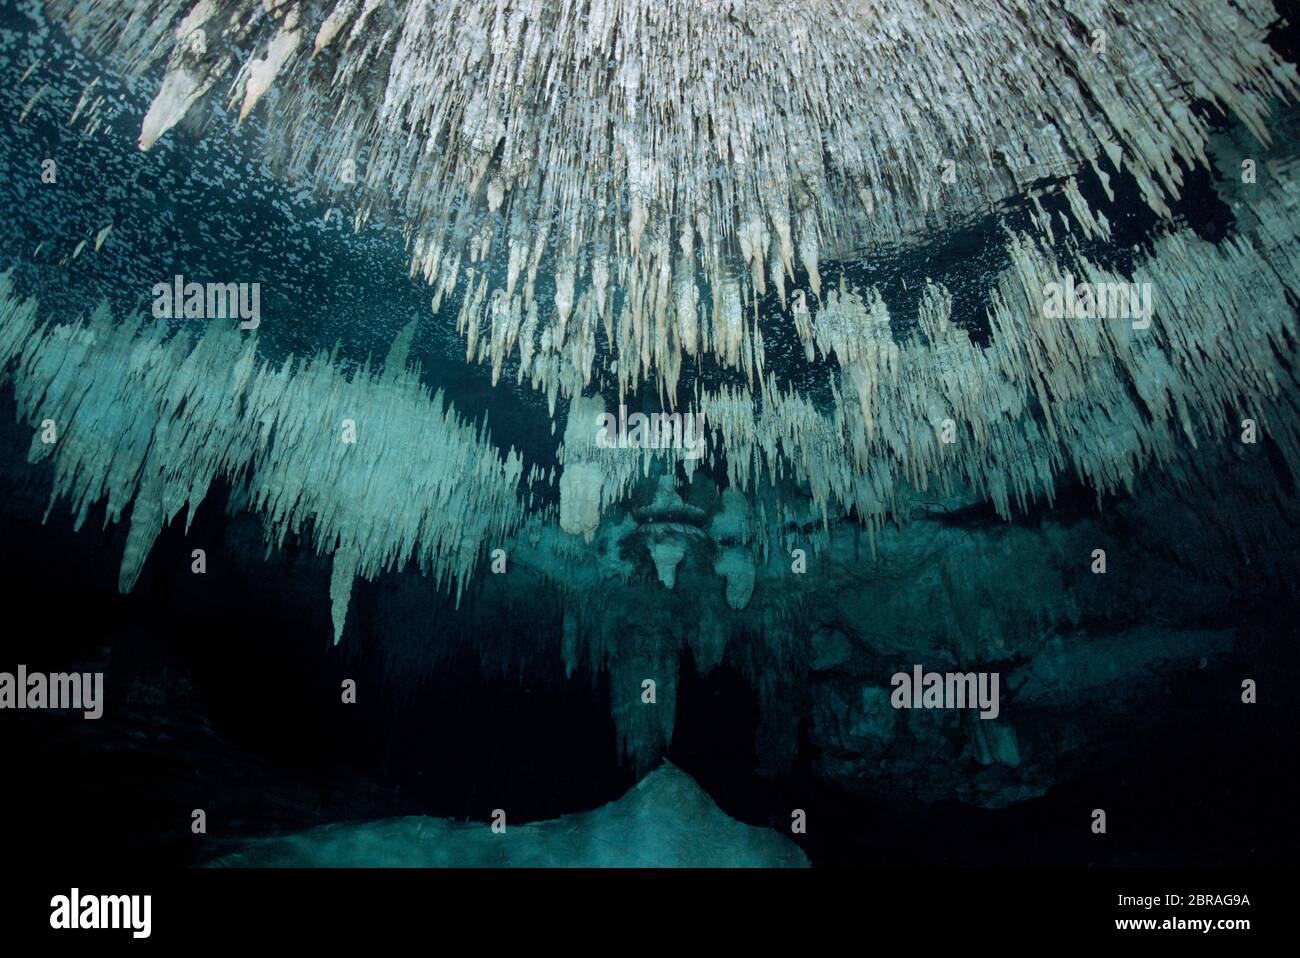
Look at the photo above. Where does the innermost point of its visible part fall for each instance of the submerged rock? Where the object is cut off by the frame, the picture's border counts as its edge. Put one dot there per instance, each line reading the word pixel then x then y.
pixel 666 820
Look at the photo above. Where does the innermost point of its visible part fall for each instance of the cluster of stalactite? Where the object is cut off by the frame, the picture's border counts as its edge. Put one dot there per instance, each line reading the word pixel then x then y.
pixel 663 163
pixel 1054 397
pixel 367 467
pixel 1117 403
pixel 140 419
pixel 599 192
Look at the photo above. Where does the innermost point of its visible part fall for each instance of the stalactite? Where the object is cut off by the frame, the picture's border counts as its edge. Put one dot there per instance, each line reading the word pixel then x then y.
pixel 592 190
pixel 368 467
pixel 730 137
pixel 1050 399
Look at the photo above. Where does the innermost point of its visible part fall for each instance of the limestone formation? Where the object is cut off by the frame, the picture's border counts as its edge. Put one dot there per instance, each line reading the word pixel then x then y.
pixel 691 206
pixel 147 422
pixel 669 161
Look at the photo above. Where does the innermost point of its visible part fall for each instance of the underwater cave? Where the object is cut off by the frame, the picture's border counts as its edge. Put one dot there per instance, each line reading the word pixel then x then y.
pixel 649 433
